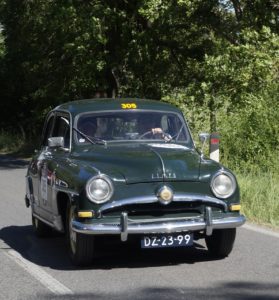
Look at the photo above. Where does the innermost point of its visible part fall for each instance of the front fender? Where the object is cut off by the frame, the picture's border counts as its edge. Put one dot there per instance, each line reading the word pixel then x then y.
pixel 29 191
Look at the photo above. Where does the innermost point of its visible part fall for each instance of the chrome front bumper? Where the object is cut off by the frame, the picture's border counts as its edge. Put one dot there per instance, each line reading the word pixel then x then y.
pixel 126 226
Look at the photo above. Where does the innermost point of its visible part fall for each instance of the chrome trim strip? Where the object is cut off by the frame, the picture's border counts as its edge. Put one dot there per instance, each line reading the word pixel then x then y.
pixel 128 201
pixel 58 188
pixel 157 227
pixel 62 112
pixel 57 222
pixel 96 170
pixel 199 197
pixel 153 199
pixel 43 220
pixel 161 160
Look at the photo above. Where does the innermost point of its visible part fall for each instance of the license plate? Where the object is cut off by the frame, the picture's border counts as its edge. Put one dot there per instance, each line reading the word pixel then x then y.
pixel 170 240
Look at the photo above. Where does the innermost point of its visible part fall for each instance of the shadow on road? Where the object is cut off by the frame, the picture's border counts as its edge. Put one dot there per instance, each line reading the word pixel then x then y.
pixel 229 291
pixel 52 252
pixel 9 162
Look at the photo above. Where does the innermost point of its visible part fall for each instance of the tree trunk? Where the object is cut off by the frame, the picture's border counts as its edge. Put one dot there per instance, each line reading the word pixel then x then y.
pixel 237 9
pixel 113 83
pixel 22 132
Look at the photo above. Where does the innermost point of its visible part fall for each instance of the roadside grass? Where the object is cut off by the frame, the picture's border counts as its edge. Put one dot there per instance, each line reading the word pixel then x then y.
pixel 9 142
pixel 14 145
pixel 260 197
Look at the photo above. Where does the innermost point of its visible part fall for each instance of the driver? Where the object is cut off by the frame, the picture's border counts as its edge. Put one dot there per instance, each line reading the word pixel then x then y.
pixel 148 127
pixel 102 127
pixel 87 127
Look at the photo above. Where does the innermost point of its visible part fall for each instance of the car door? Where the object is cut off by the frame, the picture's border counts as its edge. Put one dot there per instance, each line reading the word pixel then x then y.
pixel 36 166
pixel 49 161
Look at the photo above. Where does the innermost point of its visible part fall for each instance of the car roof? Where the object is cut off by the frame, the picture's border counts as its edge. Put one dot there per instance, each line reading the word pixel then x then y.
pixel 110 104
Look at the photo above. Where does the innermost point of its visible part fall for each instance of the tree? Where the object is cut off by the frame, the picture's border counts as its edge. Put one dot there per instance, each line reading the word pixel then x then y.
pixel 64 50
pixel 216 59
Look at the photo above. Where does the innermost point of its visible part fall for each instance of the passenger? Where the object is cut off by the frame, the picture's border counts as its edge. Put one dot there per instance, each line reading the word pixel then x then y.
pixel 88 128
pixel 102 126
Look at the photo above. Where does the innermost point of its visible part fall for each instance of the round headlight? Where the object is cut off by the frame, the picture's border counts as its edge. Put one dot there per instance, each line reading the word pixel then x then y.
pixel 99 189
pixel 223 185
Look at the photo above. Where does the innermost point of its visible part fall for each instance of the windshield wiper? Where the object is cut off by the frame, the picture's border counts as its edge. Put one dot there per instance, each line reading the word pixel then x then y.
pixel 176 136
pixel 92 140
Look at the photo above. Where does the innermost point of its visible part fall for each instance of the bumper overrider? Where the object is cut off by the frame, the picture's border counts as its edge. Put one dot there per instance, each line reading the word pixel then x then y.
pixel 206 222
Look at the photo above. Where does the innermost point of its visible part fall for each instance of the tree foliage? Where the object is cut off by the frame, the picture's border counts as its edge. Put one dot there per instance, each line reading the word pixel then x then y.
pixel 218 60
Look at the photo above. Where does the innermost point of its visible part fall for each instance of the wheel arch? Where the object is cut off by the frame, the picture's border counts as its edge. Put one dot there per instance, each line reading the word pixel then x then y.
pixel 29 187
pixel 62 200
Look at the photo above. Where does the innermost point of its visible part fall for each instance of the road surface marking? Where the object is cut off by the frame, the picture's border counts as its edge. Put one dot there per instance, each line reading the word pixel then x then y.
pixel 43 277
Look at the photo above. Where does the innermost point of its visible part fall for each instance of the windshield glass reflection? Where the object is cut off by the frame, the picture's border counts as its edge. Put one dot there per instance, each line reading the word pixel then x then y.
pixel 131 125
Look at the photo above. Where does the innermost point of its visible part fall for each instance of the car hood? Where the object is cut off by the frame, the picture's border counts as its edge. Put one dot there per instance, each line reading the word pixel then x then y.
pixel 144 162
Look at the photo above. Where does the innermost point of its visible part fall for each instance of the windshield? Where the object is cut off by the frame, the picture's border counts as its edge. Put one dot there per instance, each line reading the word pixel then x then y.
pixel 131 125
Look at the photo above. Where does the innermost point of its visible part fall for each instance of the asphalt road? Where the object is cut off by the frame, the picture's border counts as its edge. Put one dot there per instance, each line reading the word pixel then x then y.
pixel 32 268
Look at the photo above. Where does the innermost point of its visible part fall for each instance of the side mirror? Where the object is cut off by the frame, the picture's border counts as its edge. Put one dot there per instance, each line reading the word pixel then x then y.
pixel 204 137
pixel 56 142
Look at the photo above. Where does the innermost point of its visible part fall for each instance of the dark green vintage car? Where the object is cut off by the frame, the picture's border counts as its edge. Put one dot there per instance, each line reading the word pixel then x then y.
pixel 129 168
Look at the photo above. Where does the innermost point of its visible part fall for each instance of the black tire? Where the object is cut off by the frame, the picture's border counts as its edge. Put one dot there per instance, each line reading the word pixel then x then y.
pixel 220 243
pixel 40 228
pixel 81 246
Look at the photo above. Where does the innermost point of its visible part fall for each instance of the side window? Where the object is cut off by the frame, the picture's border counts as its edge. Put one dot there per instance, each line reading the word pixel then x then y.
pixel 174 126
pixel 62 128
pixel 165 123
pixel 48 130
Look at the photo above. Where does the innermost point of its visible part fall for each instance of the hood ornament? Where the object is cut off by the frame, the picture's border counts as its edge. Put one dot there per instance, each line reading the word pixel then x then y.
pixel 165 195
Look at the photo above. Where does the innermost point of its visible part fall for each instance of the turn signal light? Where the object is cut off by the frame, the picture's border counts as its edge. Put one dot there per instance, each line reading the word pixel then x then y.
pixel 235 207
pixel 85 214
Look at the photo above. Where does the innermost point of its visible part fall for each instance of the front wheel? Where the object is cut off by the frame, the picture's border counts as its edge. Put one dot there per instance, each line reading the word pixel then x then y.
pixel 81 246
pixel 220 243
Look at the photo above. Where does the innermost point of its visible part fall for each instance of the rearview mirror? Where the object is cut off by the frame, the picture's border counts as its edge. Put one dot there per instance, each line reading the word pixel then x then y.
pixel 55 142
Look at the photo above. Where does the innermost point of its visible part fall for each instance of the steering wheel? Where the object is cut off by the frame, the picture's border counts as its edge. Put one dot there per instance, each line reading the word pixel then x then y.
pixel 144 134
pixel 165 136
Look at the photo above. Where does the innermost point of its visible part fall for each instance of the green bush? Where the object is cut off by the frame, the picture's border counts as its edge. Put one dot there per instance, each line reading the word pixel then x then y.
pixel 237 96
pixel 10 142
pixel 250 137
